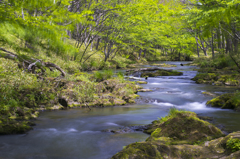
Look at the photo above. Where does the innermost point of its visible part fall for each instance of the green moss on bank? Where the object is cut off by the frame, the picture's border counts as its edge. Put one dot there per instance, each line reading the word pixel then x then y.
pixel 25 94
pixel 217 79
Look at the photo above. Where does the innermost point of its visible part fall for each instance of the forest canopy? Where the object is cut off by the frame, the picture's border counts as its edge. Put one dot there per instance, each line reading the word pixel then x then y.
pixel 78 30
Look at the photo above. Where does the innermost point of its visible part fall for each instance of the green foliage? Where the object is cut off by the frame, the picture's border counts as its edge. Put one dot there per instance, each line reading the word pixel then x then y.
pixel 18 85
pixel 219 62
pixel 103 75
pixel 84 92
pixel 53 73
pixel 120 76
pixel 233 144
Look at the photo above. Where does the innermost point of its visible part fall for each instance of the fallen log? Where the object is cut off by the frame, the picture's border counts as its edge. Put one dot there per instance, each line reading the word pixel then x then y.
pixel 31 64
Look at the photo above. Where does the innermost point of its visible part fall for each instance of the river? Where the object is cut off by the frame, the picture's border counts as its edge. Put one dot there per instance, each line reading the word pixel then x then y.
pixel 77 133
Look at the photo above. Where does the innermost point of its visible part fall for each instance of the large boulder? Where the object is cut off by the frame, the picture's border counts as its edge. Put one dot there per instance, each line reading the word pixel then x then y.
pixel 183 127
pixel 226 101
pixel 182 135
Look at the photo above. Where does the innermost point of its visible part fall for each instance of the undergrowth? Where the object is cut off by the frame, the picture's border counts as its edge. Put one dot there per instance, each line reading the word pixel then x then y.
pixel 219 62
pixel 233 144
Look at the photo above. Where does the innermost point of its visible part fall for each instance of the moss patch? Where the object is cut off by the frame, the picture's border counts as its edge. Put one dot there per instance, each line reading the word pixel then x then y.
pixel 163 65
pixel 185 127
pixel 141 82
pixel 15 127
pixel 226 101
pixel 161 73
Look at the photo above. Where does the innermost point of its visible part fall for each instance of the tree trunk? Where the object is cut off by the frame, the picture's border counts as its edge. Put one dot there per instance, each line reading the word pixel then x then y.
pixel 145 53
pixel 228 45
pixel 139 55
pixel 91 47
pixel 205 52
pixel 98 40
pixel 23 14
pixel 223 42
pixel 235 41
pixel 219 38
pixel 212 45
pixel 197 47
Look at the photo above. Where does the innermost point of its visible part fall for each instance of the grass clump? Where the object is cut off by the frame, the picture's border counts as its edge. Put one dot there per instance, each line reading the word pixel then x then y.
pixel 173 112
pixel 103 75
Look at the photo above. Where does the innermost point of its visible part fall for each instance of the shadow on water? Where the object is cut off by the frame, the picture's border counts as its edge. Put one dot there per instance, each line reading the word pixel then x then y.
pixel 77 133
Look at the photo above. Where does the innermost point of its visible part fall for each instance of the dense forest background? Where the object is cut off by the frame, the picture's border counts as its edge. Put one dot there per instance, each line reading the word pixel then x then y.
pixel 90 34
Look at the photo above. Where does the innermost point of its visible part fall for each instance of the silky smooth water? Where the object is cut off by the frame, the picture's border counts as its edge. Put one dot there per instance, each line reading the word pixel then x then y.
pixel 77 133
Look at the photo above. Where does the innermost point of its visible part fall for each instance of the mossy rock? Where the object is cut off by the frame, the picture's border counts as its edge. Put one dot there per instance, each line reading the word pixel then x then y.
pixel 159 146
pixel 134 96
pixel 229 80
pixel 227 144
pixel 184 127
pixel 119 102
pixel 209 94
pixel 148 150
pixel 232 82
pixel 216 78
pixel 206 78
pixel 14 127
pixel 222 101
pixel 139 87
pixel 144 90
pixel 161 73
pixel 141 82
pixel 139 150
pixel 164 65
pixel 103 103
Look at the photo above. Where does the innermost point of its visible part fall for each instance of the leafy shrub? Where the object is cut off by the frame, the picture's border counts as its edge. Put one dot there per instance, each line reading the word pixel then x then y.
pixel 21 88
pixel 120 76
pixel 84 92
pixel 233 144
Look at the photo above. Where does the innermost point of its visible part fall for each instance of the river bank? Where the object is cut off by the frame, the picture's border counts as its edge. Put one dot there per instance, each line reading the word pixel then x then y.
pixel 23 101
pixel 63 131
pixel 26 95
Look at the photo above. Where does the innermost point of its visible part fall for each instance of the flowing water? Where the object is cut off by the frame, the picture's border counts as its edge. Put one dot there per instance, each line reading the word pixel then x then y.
pixel 77 133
